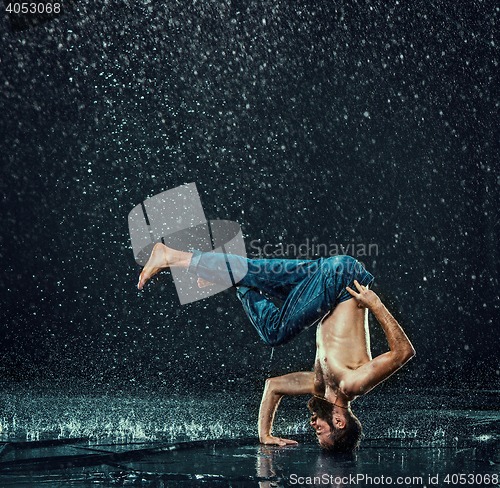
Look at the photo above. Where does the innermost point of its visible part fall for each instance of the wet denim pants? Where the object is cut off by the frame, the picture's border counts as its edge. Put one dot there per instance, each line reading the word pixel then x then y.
pixel 309 289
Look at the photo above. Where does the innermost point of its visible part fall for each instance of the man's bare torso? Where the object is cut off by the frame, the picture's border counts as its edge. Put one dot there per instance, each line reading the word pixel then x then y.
pixel 343 345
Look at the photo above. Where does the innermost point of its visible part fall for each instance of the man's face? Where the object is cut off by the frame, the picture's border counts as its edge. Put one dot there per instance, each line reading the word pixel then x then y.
pixel 323 430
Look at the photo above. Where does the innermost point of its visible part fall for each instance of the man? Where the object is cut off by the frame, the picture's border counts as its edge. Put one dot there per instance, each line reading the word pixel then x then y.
pixel 313 291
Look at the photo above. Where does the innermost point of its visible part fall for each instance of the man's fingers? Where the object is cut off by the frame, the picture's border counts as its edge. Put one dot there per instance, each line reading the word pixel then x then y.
pixel 278 441
pixel 358 286
pixel 357 296
pixel 288 442
pixel 352 292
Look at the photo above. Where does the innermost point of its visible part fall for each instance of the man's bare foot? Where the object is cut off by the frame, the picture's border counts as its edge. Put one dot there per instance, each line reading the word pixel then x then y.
pixel 162 257
pixel 202 283
pixel 156 262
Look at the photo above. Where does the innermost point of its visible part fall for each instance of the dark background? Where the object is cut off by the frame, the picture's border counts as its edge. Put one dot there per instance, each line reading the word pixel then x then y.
pixel 373 122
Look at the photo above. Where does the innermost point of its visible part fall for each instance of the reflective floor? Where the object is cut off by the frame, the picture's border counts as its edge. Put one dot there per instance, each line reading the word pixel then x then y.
pixel 410 439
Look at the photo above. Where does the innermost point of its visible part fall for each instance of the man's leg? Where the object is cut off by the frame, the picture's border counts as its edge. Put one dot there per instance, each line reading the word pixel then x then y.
pixel 308 302
pixel 273 276
pixel 276 277
pixel 310 288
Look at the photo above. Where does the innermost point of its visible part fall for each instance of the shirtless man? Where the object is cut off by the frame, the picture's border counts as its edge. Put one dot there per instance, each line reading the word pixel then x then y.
pixel 319 291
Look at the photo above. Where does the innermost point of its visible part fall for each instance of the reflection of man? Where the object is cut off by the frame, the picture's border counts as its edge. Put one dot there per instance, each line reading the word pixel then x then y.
pixel 313 291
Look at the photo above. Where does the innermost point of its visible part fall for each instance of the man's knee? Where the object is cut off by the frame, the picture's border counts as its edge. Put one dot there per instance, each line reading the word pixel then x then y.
pixel 338 265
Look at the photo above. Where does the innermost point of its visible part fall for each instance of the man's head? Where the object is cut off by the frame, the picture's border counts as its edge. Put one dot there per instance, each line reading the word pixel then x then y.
pixel 337 429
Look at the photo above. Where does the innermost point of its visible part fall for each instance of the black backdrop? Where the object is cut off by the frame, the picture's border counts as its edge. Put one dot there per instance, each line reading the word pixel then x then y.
pixel 306 122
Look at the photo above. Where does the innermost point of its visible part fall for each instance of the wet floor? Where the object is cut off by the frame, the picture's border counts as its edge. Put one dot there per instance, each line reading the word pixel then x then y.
pixel 416 439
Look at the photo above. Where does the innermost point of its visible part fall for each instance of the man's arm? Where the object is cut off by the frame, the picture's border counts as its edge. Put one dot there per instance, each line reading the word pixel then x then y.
pixel 401 350
pixel 301 383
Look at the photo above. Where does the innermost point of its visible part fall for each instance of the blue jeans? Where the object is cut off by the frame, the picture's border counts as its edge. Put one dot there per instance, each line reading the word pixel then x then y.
pixel 310 289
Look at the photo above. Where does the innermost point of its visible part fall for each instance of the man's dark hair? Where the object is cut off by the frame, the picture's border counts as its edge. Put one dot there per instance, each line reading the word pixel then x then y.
pixel 344 440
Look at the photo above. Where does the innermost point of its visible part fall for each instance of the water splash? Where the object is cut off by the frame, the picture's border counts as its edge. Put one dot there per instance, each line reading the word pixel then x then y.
pixel 27 417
